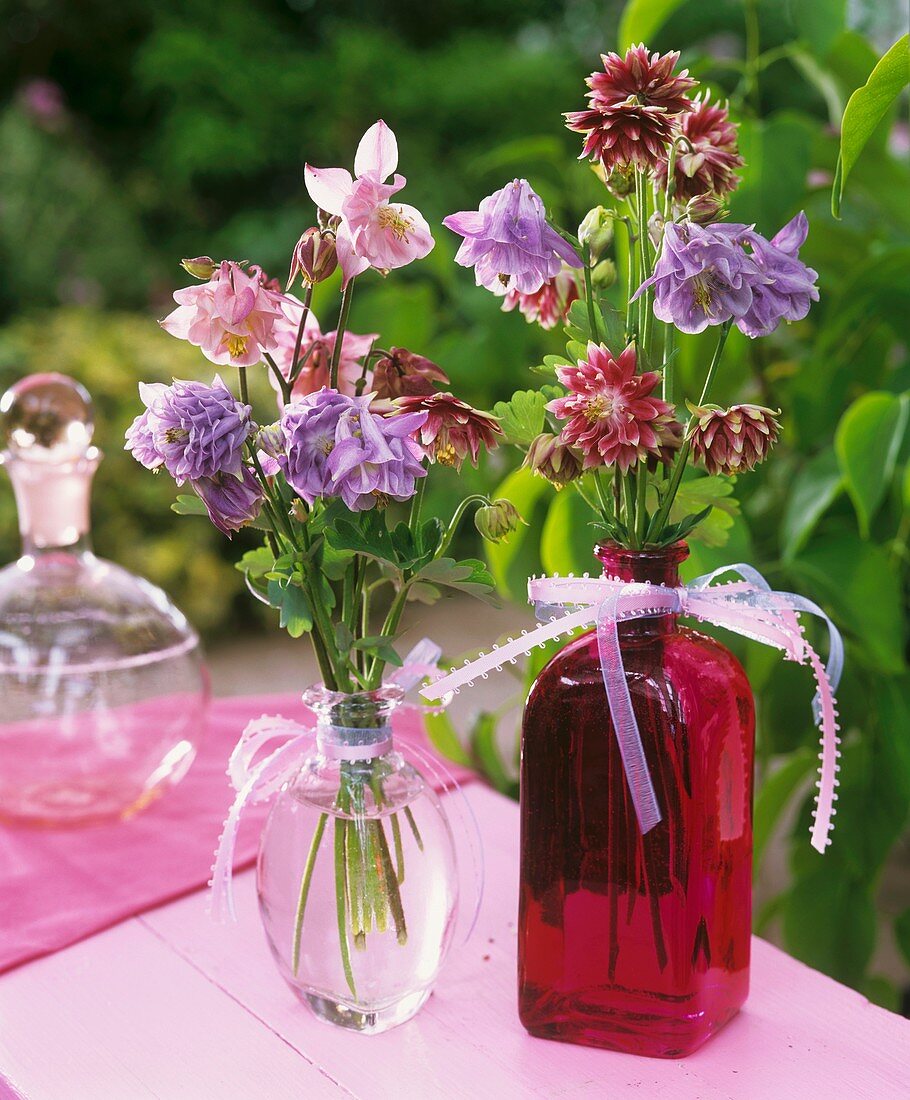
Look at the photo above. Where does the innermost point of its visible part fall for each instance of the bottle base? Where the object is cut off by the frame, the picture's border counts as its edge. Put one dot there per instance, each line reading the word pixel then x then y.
pixel 366 1021
pixel 648 1035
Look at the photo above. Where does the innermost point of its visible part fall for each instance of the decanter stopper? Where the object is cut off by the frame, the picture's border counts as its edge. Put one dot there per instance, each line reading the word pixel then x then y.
pixel 46 426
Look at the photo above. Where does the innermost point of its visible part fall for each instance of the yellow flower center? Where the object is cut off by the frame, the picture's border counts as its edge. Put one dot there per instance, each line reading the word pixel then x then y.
pixel 392 219
pixel 236 345
pixel 445 454
pixel 598 408
pixel 176 435
pixel 702 294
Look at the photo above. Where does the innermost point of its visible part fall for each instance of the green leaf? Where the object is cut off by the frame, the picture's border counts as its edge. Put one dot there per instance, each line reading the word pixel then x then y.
pixel 188 504
pixel 256 563
pixel 867 443
pixel 382 646
pixel 859 582
pixel 865 110
pixel 641 19
pixel 712 498
pixel 296 615
pixel 367 535
pixel 485 750
pixel 444 738
pixel 774 797
pixel 567 540
pixel 514 559
pixel 815 488
pixel 829 923
pixel 469 576
pixel 521 417
pixel 614 327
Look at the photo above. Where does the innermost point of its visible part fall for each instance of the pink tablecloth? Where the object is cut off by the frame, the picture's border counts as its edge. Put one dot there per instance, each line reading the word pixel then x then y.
pixel 59 886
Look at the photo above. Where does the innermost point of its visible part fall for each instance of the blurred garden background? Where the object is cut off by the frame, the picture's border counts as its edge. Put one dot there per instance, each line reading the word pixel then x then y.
pixel 134 134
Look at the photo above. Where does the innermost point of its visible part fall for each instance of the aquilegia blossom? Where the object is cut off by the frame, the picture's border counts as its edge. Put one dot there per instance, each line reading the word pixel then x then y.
pixel 509 243
pixel 193 430
pixel 613 419
pixel 231 502
pixel 788 287
pixel 452 429
pixel 230 317
pixel 335 446
pixel 316 348
pixel 372 232
pixel 632 107
pixel 731 441
pixel 707 160
pixel 549 305
pixel 703 276
pixel 550 458
pixel 402 373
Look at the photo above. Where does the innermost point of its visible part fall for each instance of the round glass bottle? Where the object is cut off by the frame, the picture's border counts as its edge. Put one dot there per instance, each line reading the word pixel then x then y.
pixel 104 691
pixel 631 942
pixel 356 875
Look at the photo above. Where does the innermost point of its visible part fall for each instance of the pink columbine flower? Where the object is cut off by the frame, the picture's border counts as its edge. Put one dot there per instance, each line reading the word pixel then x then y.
pixel 734 440
pixel 231 318
pixel 548 306
pixel 612 417
pixel 372 231
pixel 318 347
pixel 452 430
pixel 509 243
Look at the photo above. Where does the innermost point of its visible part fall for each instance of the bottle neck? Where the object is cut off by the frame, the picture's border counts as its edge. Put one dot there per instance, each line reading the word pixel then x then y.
pixel 355 726
pixel 53 501
pixel 644 567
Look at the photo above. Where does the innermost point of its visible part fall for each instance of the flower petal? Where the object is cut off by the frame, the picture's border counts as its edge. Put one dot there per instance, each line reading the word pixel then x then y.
pixel 377 152
pixel 328 187
pixel 350 263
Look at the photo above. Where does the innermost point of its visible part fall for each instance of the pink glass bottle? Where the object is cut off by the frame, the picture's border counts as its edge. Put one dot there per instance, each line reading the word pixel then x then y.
pixel 101 678
pixel 631 942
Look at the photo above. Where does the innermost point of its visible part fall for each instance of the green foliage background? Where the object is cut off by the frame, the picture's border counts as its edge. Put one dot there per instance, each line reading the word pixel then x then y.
pixel 184 130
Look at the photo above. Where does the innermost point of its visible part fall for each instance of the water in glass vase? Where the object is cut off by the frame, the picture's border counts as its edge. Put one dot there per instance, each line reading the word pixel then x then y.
pixel 357 878
pixel 631 942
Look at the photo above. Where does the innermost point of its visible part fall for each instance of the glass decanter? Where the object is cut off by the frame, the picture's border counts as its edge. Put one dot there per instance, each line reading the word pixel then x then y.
pixel 103 686
pixel 631 942
pixel 357 877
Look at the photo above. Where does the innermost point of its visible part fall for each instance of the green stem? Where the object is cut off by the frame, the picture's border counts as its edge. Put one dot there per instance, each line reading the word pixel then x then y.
pixel 305 889
pixel 474 498
pixel 307 301
pixel 644 251
pixel 341 902
pixel 410 819
pixel 244 389
pixel 589 297
pixel 641 511
pixel 339 334
pixel 283 383
pixel 391 884
pixel 630 505
pixel 662 514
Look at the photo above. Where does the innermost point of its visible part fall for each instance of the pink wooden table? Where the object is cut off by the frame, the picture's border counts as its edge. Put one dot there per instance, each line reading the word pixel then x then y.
pixel 169 1005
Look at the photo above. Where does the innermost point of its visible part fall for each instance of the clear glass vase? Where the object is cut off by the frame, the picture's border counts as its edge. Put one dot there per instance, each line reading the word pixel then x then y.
pixel 356 874
pixel 635 942
pixel 103 686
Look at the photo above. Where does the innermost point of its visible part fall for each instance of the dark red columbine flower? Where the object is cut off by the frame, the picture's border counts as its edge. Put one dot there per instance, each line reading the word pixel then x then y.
pixel 633 105
pixel 453 429
pixel 709 167
pixel 734 440
pixel 401 373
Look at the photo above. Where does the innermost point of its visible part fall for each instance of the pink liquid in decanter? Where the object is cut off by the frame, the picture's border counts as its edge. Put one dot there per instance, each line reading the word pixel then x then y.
pixel 103 688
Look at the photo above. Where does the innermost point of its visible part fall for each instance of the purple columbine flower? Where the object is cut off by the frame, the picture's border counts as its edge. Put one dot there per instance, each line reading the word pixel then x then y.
pixel 704 276
pixel 231 501
pixel 508 242
pixel 194 430
pixel 335 446
pixel 788 288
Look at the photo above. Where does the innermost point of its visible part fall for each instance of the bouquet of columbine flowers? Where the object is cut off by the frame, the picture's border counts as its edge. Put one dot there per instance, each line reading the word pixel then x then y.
pixel 669 161
pixel 359 428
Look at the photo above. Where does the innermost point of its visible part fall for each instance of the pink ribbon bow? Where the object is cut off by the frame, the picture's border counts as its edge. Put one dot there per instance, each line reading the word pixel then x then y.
pixel 748 607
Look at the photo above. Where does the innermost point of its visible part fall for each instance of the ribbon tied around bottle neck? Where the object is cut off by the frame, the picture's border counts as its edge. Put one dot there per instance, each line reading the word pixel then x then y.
pixel 748 607
pixel 256 777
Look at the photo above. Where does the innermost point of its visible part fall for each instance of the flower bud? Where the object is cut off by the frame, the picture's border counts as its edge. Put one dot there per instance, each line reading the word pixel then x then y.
pixel 704 209
pixel 271 441
pixel 200 267
pixel 314 259
pixel 550 458
pixel 620 181
pixel 498 520
pixel 604 275
pixel 596 232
